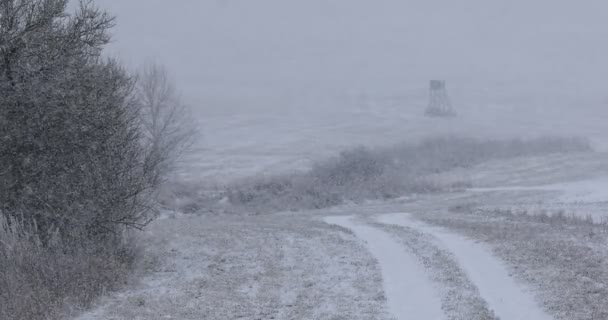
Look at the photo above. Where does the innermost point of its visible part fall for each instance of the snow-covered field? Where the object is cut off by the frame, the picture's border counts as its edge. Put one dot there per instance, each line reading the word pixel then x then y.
pixel 452 256
pixel 263 135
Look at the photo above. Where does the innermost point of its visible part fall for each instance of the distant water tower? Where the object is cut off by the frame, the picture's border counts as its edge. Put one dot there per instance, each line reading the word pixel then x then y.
pixel 439 102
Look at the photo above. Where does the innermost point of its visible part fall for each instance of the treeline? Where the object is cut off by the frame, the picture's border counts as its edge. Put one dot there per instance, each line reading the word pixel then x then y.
pixel 84 147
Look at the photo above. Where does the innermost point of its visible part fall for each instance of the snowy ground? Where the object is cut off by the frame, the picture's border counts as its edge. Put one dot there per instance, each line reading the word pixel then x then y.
pixel 444 256
pixel 251 268
pixel 486 253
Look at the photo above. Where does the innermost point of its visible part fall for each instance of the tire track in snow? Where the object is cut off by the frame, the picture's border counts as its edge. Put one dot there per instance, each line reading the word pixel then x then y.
pixel 410 293
pixel 459 296
pixel 496 286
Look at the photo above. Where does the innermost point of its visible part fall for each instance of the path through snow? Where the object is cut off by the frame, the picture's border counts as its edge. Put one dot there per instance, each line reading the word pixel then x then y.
pixel 410 293
pixel 508 300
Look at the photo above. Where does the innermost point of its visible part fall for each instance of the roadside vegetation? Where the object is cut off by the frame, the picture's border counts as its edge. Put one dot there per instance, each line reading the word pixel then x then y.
pixel 85 146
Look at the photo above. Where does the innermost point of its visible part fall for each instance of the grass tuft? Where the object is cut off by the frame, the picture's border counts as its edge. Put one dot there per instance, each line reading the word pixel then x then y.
pixel 58 278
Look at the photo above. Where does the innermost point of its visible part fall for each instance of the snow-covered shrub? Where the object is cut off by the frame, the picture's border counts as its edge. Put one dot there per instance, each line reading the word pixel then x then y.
pixel 381 173
pixel 439 154
pixel 70 150
pixel 84 145
pixel 79 159
pixel 354 166
pixel 290 192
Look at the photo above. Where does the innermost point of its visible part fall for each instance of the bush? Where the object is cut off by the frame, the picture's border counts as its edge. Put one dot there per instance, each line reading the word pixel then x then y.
pixel 83 152
pixel 363 173
pixel 71 146
pixel 355 166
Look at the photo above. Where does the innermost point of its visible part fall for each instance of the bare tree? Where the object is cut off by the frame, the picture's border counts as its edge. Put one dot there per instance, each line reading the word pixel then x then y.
pixel 168 128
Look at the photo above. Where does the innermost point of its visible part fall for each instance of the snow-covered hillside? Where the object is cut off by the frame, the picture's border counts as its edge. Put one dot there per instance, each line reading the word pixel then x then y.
pixel 277 85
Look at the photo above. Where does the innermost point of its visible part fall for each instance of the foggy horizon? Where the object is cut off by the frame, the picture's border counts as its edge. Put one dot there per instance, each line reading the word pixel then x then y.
pixel 269 48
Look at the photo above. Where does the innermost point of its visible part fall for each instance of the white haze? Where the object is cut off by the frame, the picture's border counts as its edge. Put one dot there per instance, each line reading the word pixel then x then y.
pixel 269 47
pixel 283 81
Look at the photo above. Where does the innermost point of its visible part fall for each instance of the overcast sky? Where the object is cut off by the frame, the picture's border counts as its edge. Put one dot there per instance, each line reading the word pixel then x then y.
pixel 237 47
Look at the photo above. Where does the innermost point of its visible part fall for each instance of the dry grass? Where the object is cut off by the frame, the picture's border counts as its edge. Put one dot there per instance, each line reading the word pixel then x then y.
pixel 564 257
pixel 57 279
